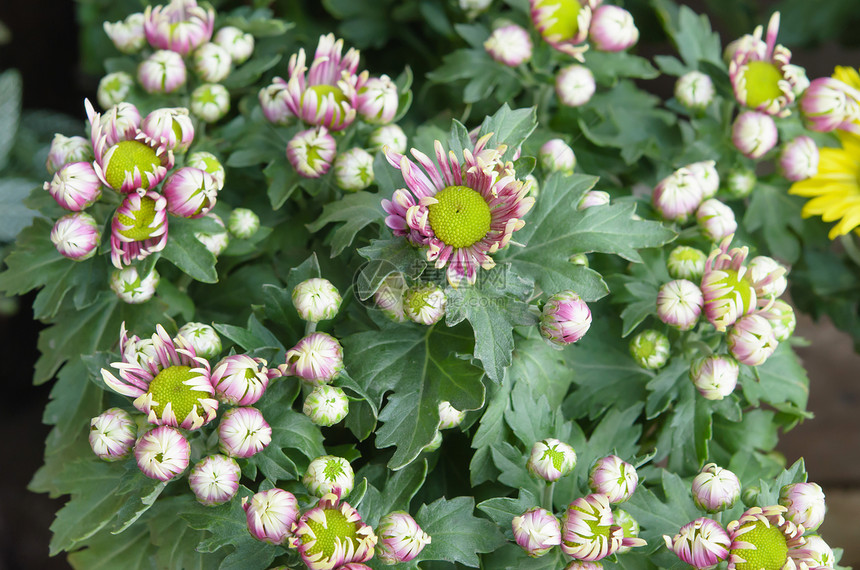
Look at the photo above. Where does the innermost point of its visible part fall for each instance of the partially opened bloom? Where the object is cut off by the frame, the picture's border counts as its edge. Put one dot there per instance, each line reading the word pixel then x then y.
pixel 271 515
pixel 751 340
pixel 575 85
pixel 353 170
pixel 312 152
pixel 754 134
pixel 114 88
pixel 243 432
pixel 819 555
pixel 376 99
pixel 316 300
pixel 763 538
pixel 162 72
pixel 449 416
pixel 679 304
pixel 613 477
pixel 715 376
pixel 329 474
pixel 551 459
pixel 424 303
pixel 240 380
pixel 829 104
pixel 331 535
pixel 589 532
pixel 555 155
pixel 767 276
pixel 536 531
pixel 127 35
pixel 509 45
pixel 243 223
pixel 650 349
pixel 215 479
pixel 131 287
pixel 208 162
pixel 170 127
pixel 694 90
pixel 400 538
pixel 702 543
pixel 316 359
pixel 564 23
pixel 716 220
pixel 190 192
pixel 173 388
pixel 727 289
pixel 76 236
pixel 678 195
pixel 181 26
pixel 210 102
pixel 138 228
pixel 799 159
pixel 565 318
pixel 326 405
pixel 112 434
pixel 162 453
pixel 212 63
pixel 804 503
pixel 686 262
pixel 460 212
pixel 584 565
pixel 238 44
pixel 715 489
pixel 67 149
pixel 324 95
pixel 202 337
pixel 612 29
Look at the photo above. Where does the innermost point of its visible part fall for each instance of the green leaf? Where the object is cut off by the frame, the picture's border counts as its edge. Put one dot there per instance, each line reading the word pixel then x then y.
pixel 254 337
pixel 130 551
pixel 782 382
pixel 396 494
pixel 457 535
pixel 690 32
pixel 14 214
pixel 283 181
pixel 175 541
pixel 140 493
pixel 510 127
pixel 187 253
pixel 34 262
pixel 251 70
pixel 502 510
pixel 10 111
pixel 358 210
pixel 608 66
pixel 511 463
pixel 384 258
pixel 491 429
pixel 777 214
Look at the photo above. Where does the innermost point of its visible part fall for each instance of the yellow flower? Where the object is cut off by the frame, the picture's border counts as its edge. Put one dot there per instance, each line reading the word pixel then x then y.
pixel 835 190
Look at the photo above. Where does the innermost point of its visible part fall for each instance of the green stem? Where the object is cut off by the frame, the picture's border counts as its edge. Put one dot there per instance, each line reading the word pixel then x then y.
pixel 547 496
pixel 184 281
pixel 310 327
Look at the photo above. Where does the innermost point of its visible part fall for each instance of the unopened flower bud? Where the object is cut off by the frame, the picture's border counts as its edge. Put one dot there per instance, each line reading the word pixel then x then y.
pixel 68 149
pixel 170 128
pixel 449 416
pixel 575 85
pixel 751 340
pixel 326 405
pixel 509 45
pixel 767 276
pixel 273 102
pixel 579 259
pixel 112 434
pixel 565 318
pixel 551 459
pixel 75 186
pixel 316 359
pixel 829 104
pixel 216 243
pixel 240 380
pixel 400 538
pixel 329 474
pixel 312 152
pixel 271 515
pixel 613 477
pixel 162 453
pixel 536 531
pixel 799 159
pixel 215 480
pixel 127 35
pixel 705 171
pixel 207 162
pixel 694 90
pixel 679 304
pixel 805 504
pixel 556 156
pixel 243 432
pixel 114 88
pixel 474 7
pixel 424 303
pixel 212 63
pixel 128 285
pixel 678 195
pixel 593 198
pixel 377 100
pixel 740 182
pixel 76 236
pixel 391 136
pixel 715 489
pixel 702 543
pixel 202 338
pixel 612 29
pixel 238 44
pixel 587 564
pixel 389 297
pixel 162 72
pixel 190 192
pixel 210 102
pixel 716 220
pixel 243 223
pixel 628 524
pixel 754 133
pixel 686 262
pixel 715 376
pixel 353 170
pixel 650 349
pixel 316 300
pixel 781 317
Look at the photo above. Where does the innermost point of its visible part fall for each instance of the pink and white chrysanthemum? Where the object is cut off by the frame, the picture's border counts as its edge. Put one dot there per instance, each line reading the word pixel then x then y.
pixel 331 535
pixel 215 479
pixel 589 532
pixel 316 359
pixel 613 477
pixel 727 290
pixel 112 434
pixel 243 432
pixel 76 236
pixel 564 24
pixel 702 543
pixel 536 531
pixel 126 159
pixel 138 228
pixel 181 26
pixel 326 94
pixel 763 538
pixel 240 380
pixel 172 387
pixel 271 515
pixel 170 127
pixel 75 186
pixel 190 192
pixel 162 453
pixel 162 72
pixel 400 538
pixel 715 489
pixel 461 213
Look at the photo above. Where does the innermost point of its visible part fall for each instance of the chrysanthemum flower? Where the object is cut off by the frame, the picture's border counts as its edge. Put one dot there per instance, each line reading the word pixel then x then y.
pixel 650 349
pixel 740 182
pixel 751 340
pixel 754 133
pixel 240 380
pixel 798 159
pixel 190 192
pixel 702 543
pixel 316 359
pixel 215 479
pixel 271 515
pixel 819 554
pixel 131 288
pixel 830 103
pixel 589 532
pixel 162 453
pixel 716 220
pixel 326 405
pixel 316 300
pixel 584 565
pixel 181 26
pixel 273 102
pixel 326 94
pixel 694 90
pixel 555 155
pixel 551 459
pixel 112 434
pixel 536 531
pixel 781 317
pixel 162 72
pixel 564 23
pixel 727 288
pixel 243 432
pixel 575 85
pixel 208 162
pixel 612 29
pixel 332 534
pixel 238 44
pixel 170 127
pixel 114 88
pixel 391 136
pixel 424 303
pixel 329 474
pixel 376 99
pixel 312 152
pixel 449 416
pixel 628 524
pixel 400 538
pixel 762 80
pixel 217 242
pixel 715 376
pixel 679 304
pixel 762 539
pixel 67 149
pixel 353 170
pixel 565 318
pixel 76 236
pixel 173 388
pixel 210 102
pixel 212 63
pixel 805 504
pixel 678 195
pixel 767 276
pixel 834 192
pixel 461 213
pixel 509 45
pixel 243 223
pixel 686 262
pixel 715 489
pixel 203 338
pixel 613 477
pixel 139 228
pixel 127 35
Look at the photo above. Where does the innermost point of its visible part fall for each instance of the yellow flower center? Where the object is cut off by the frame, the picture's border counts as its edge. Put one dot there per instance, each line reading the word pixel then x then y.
pixel 770 552
pixel 169 386
pixel 336 527
pixel 126 156
pixel 324 90
pixel 140 222
pixel 562 22
pixel 461 216
pixel 762 83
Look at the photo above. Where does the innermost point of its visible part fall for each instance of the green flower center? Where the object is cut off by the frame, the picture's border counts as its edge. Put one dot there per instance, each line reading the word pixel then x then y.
pixel 770 552
pixel 333 470
pixel 556 457
pixel 323 91
pixel 169 386
pixel 140 224
pixel 417 299
pixel 565 24
pixel 460 217
pixel 739 285
pixel 336 526
pixel 127 155
pixel 762 82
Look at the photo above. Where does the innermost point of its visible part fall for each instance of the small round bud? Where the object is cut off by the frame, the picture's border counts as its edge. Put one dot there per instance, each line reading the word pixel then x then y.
pixel 767 276
pixel 449 416
pixel 190 192
pixel 805 504
pixel 679 304
pixel 216 243
pixel 389 297
pixel 556 156
pixel 593 198
pixel 273 102
pixel 162 72
pixel 686 263
pixel 716 220
pixel 377 100
pixel 114 88
pixel 238 44
pixel 75 186
pixel 740 182
pixel 799 159
pixel 781 317
pixel 202 338
pixel 424 303
pixel 715 376
pixel 650 349
pixel 509 45
pixel 215 480
pixel 162 453
pixel 326 405
pixel 170 128
pixel 705 172
pixel 316 359
pixel 678 195
pixel 353 170
pixel 312 152
pixel 271 515
pixel 551 459
pixel 76 236
pixel 391 136
pixel 329 474
pixel 243 223
pixel 715 489
pixel 751 340
pixel 565 318
pixel 68 149
pixel 112 434
pixel 579 259
pixel 210 102
pixel 613 477
pixel 212 63
pixel 754 134
pixel 702 543
pixel 316 300
pixel 400 538
pixel 694 90
pixel 129 287
pixel 207 162
pixel 536 531
pixel 127 35
pixel 612 29
pixel 240 380
pixel 575 85
pixel 243 432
